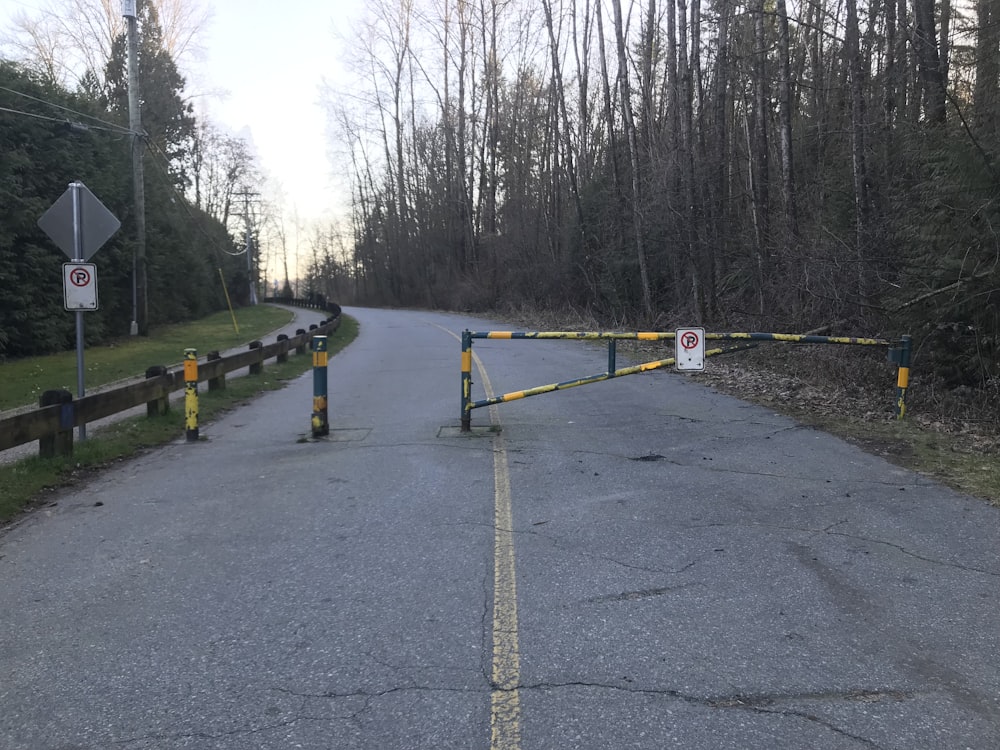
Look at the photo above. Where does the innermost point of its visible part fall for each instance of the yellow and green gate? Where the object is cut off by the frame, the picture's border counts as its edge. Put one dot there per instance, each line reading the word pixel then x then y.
pixel 899 353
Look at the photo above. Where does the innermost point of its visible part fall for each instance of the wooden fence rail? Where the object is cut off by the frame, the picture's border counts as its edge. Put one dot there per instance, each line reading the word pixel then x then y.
pixel 45 422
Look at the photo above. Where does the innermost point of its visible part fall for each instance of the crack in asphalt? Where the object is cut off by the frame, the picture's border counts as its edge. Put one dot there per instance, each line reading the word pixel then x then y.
pixel 908 553
pixel 764 704
pixel 557 544
pixel 415 667
pixel 631 596
pixel 300 714
pixel 856 537
pixel 761 704
pixel 370 694
pixel 486 642
pixel 246 731
pixel 916 482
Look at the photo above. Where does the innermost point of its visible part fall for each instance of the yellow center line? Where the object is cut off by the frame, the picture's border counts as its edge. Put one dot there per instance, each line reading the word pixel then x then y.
pixel 505 698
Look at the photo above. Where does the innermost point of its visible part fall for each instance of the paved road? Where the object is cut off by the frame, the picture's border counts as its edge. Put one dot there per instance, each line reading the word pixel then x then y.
pixel 640 563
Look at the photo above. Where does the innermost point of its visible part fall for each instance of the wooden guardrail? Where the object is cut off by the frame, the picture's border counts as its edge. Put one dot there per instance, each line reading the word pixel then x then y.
pixel 48 421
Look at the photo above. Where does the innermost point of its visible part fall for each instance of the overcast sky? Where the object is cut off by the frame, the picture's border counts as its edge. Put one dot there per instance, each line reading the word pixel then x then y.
pixel 271 56
pixel 258 75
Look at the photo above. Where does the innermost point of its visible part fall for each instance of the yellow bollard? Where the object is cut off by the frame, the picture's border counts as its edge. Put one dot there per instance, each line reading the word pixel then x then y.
pixel 320 421
pixel 191 394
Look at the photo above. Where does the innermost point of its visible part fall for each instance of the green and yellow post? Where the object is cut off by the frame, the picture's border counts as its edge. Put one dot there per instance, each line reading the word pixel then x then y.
pixel 466 381
pixel 903 376
pixel 320 425
pixel 191 394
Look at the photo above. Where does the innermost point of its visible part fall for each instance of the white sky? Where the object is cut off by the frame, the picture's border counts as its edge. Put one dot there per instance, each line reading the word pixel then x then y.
pixel 259 77
pixel 271 56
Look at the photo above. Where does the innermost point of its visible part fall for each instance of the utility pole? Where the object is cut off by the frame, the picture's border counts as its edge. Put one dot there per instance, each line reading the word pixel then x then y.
pixel 248 234
pixel 140 305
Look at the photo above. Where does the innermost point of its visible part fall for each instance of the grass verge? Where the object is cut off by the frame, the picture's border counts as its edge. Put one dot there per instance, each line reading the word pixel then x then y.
pixel 851 397
pixel 31 481
pixel 25 379
pixel 958 459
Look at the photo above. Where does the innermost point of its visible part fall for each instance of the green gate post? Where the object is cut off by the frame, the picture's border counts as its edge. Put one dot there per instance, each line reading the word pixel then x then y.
pixel 320 425
pixel 466 380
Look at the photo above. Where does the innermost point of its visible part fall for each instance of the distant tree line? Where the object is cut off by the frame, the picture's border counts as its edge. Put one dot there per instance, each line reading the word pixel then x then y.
pixel 52 134
pixel 765 165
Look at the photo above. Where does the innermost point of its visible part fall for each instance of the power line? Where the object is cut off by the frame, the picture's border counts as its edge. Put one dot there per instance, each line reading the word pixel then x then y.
pixel 32 114
pixel 110 126
pixel 70 123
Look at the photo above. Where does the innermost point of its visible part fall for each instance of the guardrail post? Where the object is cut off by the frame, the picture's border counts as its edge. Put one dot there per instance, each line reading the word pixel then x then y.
pixel 466 380
pixel 61 442
pixel 217 383
pixel 283 354
pixel 612 360
pixel 320 425
pixel 903 377
pixel 257 367
pixel 301 348
pixel 158 406
pixel 191 394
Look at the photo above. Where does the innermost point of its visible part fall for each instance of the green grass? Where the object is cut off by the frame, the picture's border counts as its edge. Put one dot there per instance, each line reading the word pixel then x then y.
pixel 24 380
pixel 965 462
pixel 32 481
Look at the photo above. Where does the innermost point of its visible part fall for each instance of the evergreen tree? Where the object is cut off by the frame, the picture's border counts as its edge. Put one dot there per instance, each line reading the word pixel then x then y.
pixel 167 118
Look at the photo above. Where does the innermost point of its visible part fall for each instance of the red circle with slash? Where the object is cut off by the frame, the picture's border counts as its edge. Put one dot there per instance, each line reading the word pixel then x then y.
pixel 79 277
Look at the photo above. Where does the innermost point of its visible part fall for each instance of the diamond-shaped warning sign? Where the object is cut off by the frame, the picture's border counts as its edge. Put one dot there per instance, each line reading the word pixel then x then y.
pixel 78 222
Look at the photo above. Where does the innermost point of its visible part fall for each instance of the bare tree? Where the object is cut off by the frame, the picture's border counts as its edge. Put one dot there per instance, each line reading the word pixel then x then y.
pixel 785 86
pixel 220 166
pixel 633 148
pixel 929 59
pixel 71 37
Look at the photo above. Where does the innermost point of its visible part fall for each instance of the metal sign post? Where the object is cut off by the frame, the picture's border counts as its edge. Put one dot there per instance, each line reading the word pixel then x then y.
pixel 79 224
pixel 78 258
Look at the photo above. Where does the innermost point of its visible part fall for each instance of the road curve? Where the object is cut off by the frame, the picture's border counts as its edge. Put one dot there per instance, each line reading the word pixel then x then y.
pixel 638 563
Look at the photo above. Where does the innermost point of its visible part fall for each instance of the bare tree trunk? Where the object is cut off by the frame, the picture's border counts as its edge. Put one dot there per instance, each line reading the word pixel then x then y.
pixel 567 130
pixel 929 63
pixel 986 93
pixel 785 126
pixel 862 211
pixel 612 135
pixel 633 148
pixel 760 168
pixel 581 52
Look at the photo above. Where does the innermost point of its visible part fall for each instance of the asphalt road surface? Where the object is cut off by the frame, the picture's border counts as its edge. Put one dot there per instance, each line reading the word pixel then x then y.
pixel 639 563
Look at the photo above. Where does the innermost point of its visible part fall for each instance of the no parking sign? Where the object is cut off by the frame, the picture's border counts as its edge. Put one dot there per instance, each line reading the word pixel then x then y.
pixel 690 348
pixel 80 286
